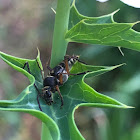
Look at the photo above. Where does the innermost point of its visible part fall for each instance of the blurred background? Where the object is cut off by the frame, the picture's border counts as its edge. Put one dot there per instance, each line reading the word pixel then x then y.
pixel 26 25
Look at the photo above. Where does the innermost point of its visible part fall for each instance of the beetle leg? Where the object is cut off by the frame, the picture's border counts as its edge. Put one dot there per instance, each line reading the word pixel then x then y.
pixel 61 78
pixel 27 67
pixel 66 65
pixel 81 61
pixel 49 68
pixel 39 94
pixel 79 73
pixel 47 64
pixel 39 103
pixel 57 88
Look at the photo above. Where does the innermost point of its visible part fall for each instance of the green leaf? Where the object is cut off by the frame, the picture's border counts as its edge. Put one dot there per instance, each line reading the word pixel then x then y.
pixel 59 121
pixel 76 17
pixel 101 30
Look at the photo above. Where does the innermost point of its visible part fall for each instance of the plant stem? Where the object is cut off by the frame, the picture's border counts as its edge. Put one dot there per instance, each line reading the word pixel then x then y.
pixel 59 44
pixel 61 26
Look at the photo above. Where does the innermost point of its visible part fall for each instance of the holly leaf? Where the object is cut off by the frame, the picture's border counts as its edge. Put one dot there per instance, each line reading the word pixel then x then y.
pixel 101 30
pixel 76 17
pixel 75 92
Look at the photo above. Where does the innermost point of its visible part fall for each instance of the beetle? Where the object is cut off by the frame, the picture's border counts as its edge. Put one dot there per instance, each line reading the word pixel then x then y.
pixel 56 77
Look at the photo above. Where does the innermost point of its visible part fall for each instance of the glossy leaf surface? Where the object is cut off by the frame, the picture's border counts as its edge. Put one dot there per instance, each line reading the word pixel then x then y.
pixel 59 121
pixel 101 30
